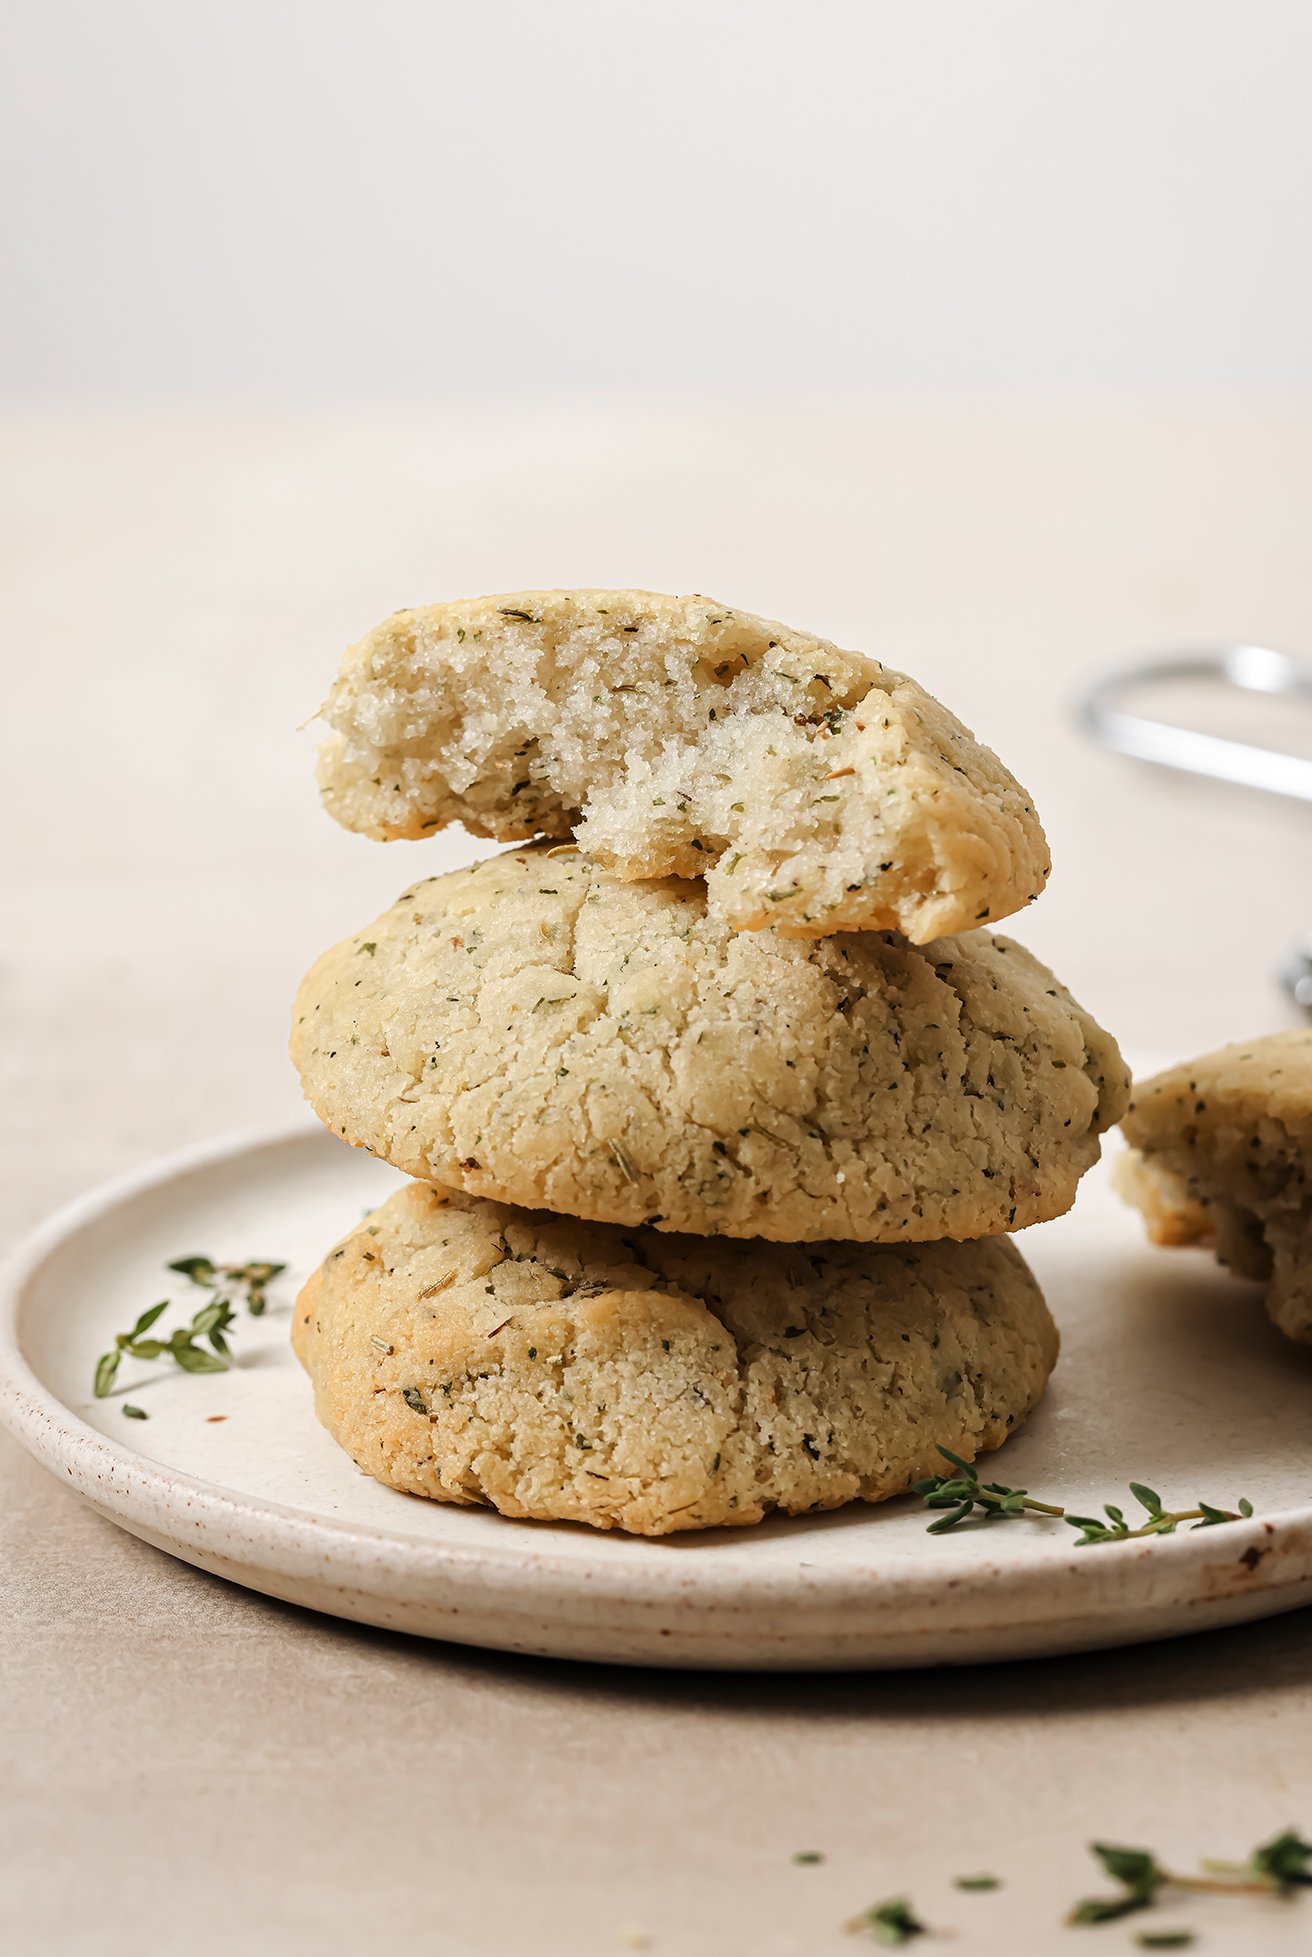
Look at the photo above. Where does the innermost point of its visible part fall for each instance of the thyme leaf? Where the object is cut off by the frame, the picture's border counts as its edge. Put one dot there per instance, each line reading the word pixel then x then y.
pixel 892 1923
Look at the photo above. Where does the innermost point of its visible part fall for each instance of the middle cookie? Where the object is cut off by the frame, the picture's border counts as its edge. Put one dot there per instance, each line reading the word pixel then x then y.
pixel 535 1030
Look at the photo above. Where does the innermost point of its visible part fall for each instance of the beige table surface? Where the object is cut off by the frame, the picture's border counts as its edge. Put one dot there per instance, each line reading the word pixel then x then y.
pixel 184 1766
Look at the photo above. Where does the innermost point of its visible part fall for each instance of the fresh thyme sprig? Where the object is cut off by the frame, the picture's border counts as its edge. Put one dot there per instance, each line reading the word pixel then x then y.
pixel 254 1278
pixel 182 1345
pixel 1274 1869
pixel 211 1322
pixel 965 1496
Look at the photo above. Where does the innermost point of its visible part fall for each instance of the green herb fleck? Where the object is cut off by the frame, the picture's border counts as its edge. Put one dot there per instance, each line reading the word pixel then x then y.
pixel 976 1882
pixel 891 1924
pixel 806 1857
pixel 371 948
pixel 1286 1861
pixel 1140 1875
pixel 414 1399
pixel 134 1413
pixel 1281 1864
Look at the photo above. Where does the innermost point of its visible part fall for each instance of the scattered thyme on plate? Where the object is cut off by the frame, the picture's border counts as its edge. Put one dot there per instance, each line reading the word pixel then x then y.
pixel 253 1278
pixel 980 1881
pixel 966 1497
pixel 183 1345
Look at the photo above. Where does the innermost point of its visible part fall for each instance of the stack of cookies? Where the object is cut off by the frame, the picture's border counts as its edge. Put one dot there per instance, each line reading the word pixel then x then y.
pixel 718 1101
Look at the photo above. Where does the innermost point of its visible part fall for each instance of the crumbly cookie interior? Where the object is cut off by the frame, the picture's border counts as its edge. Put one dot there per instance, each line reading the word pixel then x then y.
pixel 814 789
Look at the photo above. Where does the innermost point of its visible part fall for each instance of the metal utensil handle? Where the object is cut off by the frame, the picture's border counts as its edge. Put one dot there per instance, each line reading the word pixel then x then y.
pixel 1249 669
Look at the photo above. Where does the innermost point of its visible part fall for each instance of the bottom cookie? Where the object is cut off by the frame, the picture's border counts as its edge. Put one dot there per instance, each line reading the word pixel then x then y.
pixel 631 1379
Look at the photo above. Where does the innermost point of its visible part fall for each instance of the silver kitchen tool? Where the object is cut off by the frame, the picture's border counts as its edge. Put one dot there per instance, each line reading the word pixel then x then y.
pixel 1107 711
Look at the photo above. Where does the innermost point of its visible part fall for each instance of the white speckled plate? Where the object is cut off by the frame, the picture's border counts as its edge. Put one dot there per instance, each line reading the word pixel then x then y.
pixel 1170 1374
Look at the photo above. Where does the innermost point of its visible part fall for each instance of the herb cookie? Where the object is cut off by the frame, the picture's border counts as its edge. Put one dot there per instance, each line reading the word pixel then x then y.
pixel 568 1371
pixel 813 789
pixel 1221 1154
pixel 538 1031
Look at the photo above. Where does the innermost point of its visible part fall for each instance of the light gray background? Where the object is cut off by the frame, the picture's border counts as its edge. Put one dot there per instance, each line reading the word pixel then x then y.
pixel 320 195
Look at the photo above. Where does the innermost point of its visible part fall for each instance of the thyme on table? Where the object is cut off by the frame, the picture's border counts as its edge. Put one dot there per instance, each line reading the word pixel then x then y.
pixel 966 1497
pixel 1275 1869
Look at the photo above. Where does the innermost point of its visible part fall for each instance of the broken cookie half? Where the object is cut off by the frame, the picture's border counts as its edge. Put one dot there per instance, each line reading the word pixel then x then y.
pixel 812 788
pixel 1221 1155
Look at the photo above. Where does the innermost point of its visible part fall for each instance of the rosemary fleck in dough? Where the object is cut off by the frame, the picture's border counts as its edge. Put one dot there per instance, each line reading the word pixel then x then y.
pixel 1221 1154
pixel 538 1031
pixel 568 1371
pixel 814 789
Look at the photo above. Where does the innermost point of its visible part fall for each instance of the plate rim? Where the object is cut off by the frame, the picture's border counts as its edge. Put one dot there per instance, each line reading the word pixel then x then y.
pixel 115 1477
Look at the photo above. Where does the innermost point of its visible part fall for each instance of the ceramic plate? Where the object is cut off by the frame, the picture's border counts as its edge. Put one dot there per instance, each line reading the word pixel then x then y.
pixel 1170 1374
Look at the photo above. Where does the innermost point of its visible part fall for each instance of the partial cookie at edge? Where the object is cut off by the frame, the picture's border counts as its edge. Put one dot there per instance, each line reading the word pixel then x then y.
pixel 1221 1155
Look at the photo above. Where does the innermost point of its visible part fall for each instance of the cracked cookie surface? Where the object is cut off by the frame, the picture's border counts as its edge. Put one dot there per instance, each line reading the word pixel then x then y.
pixel 538 1031
pixel 814 789
pixel 475 1353
pixel 1221 1155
